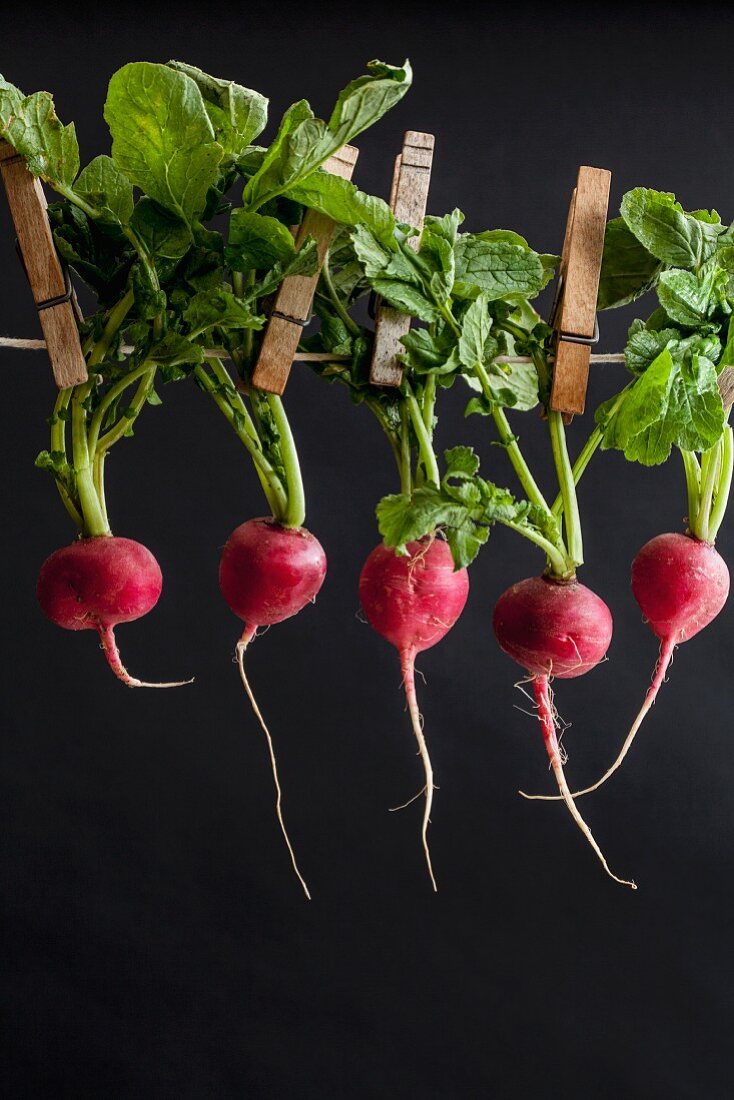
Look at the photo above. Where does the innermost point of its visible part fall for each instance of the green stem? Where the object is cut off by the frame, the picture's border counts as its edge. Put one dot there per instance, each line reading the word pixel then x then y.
pixel 588 451
pixel 94 519
pixel 429 403
pixel 405 465
pixel 58 446
pixel 108 400
pixel 339 308
pixel 118 430
pixel 269 479
pixel 373 404
pixel 425 447
pixel 519 465
pixel 560 567
pixel 709 475
pixel 115 317
pixel 510 444
pixel 693 484
pixel 296 507
pixel 567 486
pixel 723 487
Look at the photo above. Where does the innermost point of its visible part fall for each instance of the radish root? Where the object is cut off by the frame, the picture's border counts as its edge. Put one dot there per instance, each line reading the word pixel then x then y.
pixel 407 665
pixel 666 656
pixel 244 641
pixel 111 652
pixel 547 721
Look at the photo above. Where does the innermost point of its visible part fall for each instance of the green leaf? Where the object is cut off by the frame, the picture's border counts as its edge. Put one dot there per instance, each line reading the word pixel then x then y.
pixel 344 203
pixel 303 143
pixel 368 98
pixel 446 227
pixel 644 345
pixel 461 462
pixel 402 519
pixel 666 231
pixel 475 329
pixel 219 307
pixel 628 270
pixel 406 298
pixel 304 262
pixel 103 186
pixel 162 233
pixel 173 353
pixel 498 268
pixel 675 402
pixel 687 298
pixel 32 127
pixel 257 242
pixel 10 100
pixel 162 138
pixel 238 115
pixel 431 353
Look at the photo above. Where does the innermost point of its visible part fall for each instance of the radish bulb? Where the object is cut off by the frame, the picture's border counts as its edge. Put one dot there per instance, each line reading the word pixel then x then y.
pixel 97 583
pixel 268 573
pixel 413 600
pixel 557 628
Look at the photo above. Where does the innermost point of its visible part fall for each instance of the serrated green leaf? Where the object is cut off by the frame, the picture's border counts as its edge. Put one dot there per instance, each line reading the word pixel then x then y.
pixel 406 298
pixel 238 115
pixel 104 186
pixel 162 138
pixel 162 233
pixel 34 130
pixel 667 231
pixel 675 402
pixel 497 268
pixel 476 325
pixel 687 298
pixel 402 519
pixel 218 307
pixel 257 242
pixel 303 143
pixel 343 202
pixel 628 270
pixel 461 462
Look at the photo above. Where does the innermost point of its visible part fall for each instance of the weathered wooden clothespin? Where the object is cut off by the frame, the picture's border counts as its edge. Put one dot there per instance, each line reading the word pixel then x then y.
pixel 292 307
pixel 50 285
pixel 408 198
pixel 574 310
pixel 726 386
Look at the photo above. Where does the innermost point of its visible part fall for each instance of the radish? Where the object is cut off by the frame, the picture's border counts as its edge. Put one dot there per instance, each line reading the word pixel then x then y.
pixel 555 627
pixel 413 600
pixel 97 583
pixel 268 573
pixel 681 583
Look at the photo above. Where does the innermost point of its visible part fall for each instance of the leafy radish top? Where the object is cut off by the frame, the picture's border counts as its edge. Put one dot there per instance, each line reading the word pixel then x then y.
pixel 136 226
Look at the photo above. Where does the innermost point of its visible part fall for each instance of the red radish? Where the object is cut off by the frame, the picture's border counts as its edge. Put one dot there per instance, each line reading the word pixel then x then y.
pixel 96 583
pixel 555 628
pixel 268 573
pixel 413 600
pixel 681 583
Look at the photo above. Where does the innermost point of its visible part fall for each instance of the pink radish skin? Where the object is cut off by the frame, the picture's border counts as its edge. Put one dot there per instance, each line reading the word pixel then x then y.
pixel 681 584
pixel 97 583
pixel 555 628
pixel 413 601
pixel 268 573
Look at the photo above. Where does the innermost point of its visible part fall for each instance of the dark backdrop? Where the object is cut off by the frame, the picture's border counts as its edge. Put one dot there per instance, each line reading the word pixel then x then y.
pixel 155 941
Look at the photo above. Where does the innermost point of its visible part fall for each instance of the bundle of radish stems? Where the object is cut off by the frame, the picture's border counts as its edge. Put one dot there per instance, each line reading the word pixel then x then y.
pixel 184 233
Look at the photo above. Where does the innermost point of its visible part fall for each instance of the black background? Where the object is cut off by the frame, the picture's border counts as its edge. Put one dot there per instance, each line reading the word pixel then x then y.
pixel 155 941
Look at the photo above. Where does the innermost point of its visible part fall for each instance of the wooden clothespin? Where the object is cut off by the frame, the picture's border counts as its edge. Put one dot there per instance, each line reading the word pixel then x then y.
pixel 50 285
pixel 292 307
pixel 574 310
pixel 408 198
pixel 726 386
